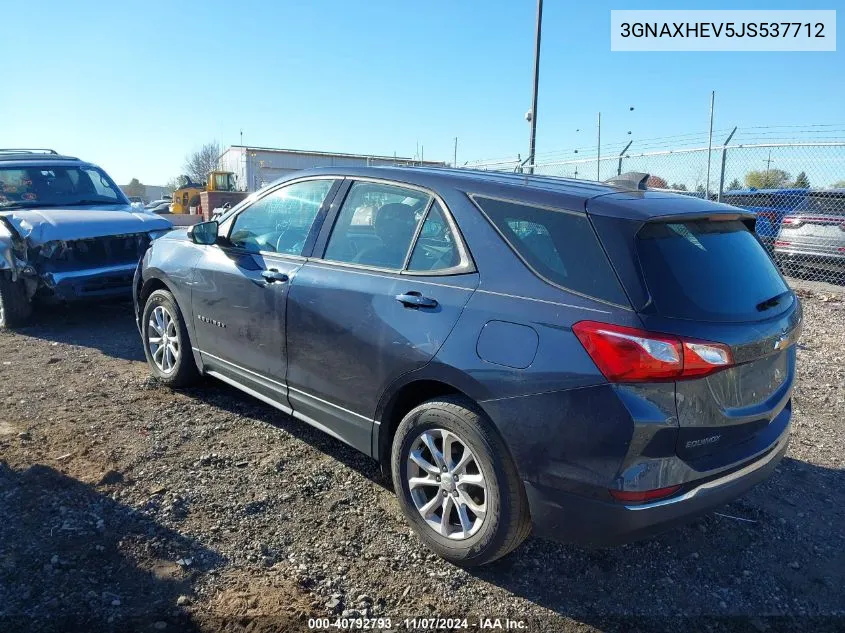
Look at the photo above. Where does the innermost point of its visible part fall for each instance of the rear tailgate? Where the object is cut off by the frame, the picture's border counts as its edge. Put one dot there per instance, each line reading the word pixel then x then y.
pixel 706 277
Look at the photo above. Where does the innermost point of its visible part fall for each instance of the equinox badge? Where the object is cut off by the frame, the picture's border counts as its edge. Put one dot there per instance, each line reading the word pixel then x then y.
pixel 210 321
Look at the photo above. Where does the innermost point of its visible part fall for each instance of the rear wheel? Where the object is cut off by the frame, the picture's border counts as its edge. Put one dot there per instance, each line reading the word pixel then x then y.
pixel 784 266
pixel 166 342
pixel 15 307
pixel 457 484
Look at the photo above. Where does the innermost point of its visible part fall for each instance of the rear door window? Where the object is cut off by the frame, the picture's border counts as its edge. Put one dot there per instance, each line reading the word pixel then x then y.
pixel 376 225
pixel 708 270
pixel 436 247
pixel 559 246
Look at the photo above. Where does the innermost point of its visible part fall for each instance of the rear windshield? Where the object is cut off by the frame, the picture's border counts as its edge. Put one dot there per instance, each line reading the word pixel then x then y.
pixel 709 270
pixel 827 203
pixel 559 246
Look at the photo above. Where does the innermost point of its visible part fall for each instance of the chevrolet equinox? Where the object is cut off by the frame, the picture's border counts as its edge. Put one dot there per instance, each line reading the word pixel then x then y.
pixel 594 360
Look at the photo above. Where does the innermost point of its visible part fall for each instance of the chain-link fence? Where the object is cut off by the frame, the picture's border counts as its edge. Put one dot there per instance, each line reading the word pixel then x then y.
pixel 797 191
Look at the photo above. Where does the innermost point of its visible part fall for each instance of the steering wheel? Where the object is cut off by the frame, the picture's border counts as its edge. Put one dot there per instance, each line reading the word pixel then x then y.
pixel 295 247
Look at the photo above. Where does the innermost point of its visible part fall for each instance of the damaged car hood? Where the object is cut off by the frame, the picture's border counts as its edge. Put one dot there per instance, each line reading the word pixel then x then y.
pixel 40 226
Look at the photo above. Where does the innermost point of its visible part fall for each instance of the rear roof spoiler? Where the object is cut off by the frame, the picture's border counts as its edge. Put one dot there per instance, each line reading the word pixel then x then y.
pixel 635 180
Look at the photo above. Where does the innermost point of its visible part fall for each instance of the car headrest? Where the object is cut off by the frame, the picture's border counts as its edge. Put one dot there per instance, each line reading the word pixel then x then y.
pixel 395 222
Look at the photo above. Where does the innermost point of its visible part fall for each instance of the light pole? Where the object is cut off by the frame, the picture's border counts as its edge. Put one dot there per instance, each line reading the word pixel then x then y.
pixel 532 113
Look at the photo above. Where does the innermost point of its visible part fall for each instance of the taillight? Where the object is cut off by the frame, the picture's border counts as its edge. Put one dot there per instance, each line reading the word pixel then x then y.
pixel 643 496
pixel 626 354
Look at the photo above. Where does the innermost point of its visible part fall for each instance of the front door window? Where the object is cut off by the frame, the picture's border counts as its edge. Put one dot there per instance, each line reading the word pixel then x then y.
pixel 280 221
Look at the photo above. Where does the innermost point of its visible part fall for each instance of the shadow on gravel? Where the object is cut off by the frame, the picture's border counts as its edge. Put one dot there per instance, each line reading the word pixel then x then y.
pixel 237 402
pixel 83 324
pixel 773 560
pixel 72 559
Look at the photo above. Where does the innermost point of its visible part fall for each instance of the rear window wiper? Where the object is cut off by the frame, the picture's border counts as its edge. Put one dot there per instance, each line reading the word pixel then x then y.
pixel 772 302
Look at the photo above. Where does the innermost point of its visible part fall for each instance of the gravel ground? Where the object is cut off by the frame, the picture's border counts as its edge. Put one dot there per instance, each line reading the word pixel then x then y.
pixel 127 506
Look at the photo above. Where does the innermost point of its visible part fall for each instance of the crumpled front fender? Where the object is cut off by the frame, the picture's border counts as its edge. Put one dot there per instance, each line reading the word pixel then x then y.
pixel 13 257
pixel 7 258
pixel 9 243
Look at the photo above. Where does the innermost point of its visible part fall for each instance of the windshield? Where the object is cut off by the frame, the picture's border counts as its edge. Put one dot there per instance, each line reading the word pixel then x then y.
pixel 56 186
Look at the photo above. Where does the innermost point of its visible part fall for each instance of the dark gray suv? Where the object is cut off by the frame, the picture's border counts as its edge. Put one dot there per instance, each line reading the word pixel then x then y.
pixel 597 360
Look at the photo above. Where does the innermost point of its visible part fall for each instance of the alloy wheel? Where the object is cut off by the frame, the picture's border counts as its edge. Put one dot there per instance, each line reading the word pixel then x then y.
pixel 163 339
pixel 446 484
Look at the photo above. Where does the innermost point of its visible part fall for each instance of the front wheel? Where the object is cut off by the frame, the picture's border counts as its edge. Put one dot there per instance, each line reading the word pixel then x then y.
pixel 457 484
pixel 166 342
pixel 15 307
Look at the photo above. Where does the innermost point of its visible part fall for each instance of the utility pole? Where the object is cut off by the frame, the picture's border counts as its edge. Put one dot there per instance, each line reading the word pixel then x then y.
pixel 533 112
pixel 709 145
pixel 242 137
pixel 766 183
pixel 455 158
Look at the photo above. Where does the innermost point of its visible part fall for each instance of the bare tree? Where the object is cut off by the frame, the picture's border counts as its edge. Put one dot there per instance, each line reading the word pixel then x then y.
pixel 173 184
pixel 199 163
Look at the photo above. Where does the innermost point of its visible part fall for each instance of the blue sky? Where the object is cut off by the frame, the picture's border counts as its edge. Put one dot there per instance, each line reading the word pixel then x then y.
pixel 134 86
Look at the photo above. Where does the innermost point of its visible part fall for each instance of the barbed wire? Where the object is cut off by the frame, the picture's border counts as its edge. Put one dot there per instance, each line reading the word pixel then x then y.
pixel 743 135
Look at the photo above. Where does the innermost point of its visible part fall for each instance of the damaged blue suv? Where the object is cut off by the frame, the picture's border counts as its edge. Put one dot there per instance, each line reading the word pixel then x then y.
pixel 595 360
pixel 67 233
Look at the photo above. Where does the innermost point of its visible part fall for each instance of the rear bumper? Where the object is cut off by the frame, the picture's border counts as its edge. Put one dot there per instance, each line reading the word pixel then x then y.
pixel 93 283
pixel 810 259
pixel 569 517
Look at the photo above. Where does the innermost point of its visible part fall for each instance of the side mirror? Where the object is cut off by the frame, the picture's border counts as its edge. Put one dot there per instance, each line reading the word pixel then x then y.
pixel 204 233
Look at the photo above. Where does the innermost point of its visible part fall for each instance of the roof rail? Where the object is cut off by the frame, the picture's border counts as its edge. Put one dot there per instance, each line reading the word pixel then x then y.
pixel 24 150
pixel 630 180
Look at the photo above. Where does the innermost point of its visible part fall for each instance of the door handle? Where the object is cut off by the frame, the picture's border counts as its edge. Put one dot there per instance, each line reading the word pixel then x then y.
pixel 272 276
pixel 415 299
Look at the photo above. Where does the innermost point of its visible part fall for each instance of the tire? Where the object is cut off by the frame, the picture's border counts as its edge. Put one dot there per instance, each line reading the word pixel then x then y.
pixel 506 522
pixel 173 369
pixel 784 266
pixel 15 308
